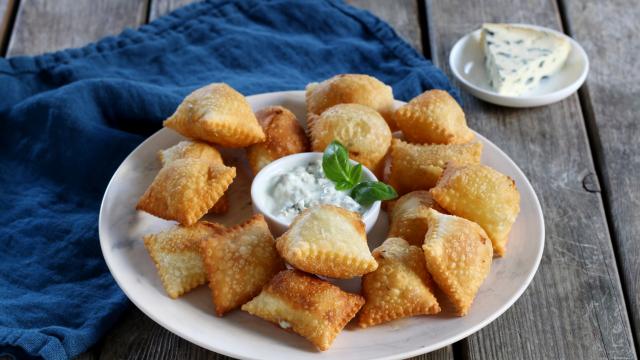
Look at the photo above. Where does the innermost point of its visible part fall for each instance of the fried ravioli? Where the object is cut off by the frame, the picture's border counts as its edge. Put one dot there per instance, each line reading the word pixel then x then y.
pixel 400 287
pixel 408 218
pixel 351 89
pixel 458 254
pixel 433 117
pixel 418 167
pixel 217 114
pixel 239 262
pixel 308 306
pixel 483 195
pixel 184 190
pixel 176 255
pixel 359 128
pixel 284 136
pixel 188 149
pixel 327 240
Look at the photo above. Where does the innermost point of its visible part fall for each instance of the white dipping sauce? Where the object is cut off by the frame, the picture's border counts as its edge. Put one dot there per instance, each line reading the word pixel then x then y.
pixel 305 186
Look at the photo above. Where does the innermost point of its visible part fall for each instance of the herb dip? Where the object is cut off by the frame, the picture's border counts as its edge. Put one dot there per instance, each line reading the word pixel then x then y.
pixel 305 186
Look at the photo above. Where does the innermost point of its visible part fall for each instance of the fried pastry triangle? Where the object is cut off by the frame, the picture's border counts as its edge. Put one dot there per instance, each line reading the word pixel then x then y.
pixel 458 255
pixel 184 190
pixel 176 255
pixel 218 114
pixel 408 218
pixel 327 240
pixel 239 262
pixel 482 195
pixel 306 305
pixel 400 286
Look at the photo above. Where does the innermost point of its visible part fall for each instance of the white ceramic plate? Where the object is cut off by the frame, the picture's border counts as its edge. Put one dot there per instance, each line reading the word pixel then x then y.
pixel 243 336
pixel 467 63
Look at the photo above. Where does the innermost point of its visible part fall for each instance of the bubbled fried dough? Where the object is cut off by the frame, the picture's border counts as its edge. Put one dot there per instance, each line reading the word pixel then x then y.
pixel 176 255
pixel 308 306
pixel 284 136
pixel 433 117
pixel 400 286
pixel 408 218
pixel 359 128
pixel 239 262
pixel 184 190
pixel 483 195
pixel 351 89
pixel 327 240
pixel 217 114
pixel 458 255
pixel 188 149
pixel 418 167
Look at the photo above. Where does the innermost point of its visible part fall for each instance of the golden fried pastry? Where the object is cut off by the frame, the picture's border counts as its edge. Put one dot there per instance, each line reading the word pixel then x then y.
pixel 458 254
pixel 433 117
pixel 408 218
pixel 284 136
pixel 306 305
pixel 176 254
pixel 359 128
pixel 184 190
pixel 400 287
pixel 218 114
pixel 327 240
pixel 482 195
pixel 190 150
pixel 239 262
pixel 418 167
pixel 351 89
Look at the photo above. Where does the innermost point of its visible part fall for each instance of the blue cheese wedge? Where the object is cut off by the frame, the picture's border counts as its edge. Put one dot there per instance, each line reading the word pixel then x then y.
pixel 518 57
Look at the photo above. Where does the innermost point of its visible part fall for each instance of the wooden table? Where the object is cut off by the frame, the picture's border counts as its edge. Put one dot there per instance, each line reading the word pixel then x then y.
pixel 582 156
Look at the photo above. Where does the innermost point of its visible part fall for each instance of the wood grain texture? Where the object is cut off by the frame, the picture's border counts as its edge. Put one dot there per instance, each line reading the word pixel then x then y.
pixel 608 31
pixel 44 25
pixel 6 13
pixel 574 308
pixel 162 7
pixel 401 14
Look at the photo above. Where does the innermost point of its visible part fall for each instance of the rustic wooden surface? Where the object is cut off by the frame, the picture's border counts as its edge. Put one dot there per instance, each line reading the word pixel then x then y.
pixel 611 111
pixel 582 158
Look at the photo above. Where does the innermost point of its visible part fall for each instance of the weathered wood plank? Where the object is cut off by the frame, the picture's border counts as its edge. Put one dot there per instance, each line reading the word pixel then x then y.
pixel 6 14
pixel 43 25
pixel 574 308
pixel 609 33
pixel 162 7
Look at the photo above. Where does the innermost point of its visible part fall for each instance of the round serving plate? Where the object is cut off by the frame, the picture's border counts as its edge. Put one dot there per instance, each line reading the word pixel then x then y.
pixel 241 335
pixel 467 64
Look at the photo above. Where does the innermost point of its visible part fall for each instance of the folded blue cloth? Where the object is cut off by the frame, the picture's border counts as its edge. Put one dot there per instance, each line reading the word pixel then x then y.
pixel 68 119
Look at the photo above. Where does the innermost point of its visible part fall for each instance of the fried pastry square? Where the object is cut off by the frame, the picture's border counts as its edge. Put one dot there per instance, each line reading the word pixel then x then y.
pixel 218 114
pixel 184 190
pixel 327 240
pixel 418 167
pixel 408 218
pixel 190 150
pixel 176 255
pixel 433 117
pixel 359 128
pixel 458 255
pixel 239 262
pixel 306 305
pixel 400 287
pixel 483 195
pixel 351 89
pixel 284 136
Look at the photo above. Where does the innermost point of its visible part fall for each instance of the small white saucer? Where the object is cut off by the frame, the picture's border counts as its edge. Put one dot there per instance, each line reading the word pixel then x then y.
pixel 467 63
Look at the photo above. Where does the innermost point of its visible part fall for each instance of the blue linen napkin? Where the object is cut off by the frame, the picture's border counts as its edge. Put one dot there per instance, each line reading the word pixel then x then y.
pixel 68 119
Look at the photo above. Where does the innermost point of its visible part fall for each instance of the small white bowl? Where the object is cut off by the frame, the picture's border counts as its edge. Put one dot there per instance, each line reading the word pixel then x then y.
pixel 467 63
pixel 262 183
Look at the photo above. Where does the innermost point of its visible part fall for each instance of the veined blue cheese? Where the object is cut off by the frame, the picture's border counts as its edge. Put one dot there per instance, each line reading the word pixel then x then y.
pixel 304 187
pixel 518 57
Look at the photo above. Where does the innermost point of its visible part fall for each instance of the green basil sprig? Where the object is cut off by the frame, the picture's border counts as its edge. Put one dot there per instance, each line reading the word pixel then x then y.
pixel 338 168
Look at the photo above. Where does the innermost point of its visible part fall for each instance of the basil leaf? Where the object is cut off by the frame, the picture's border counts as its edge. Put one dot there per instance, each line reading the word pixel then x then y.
pixel 335 163
pixel 368 192
pixel 343 185
pixel 356 174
